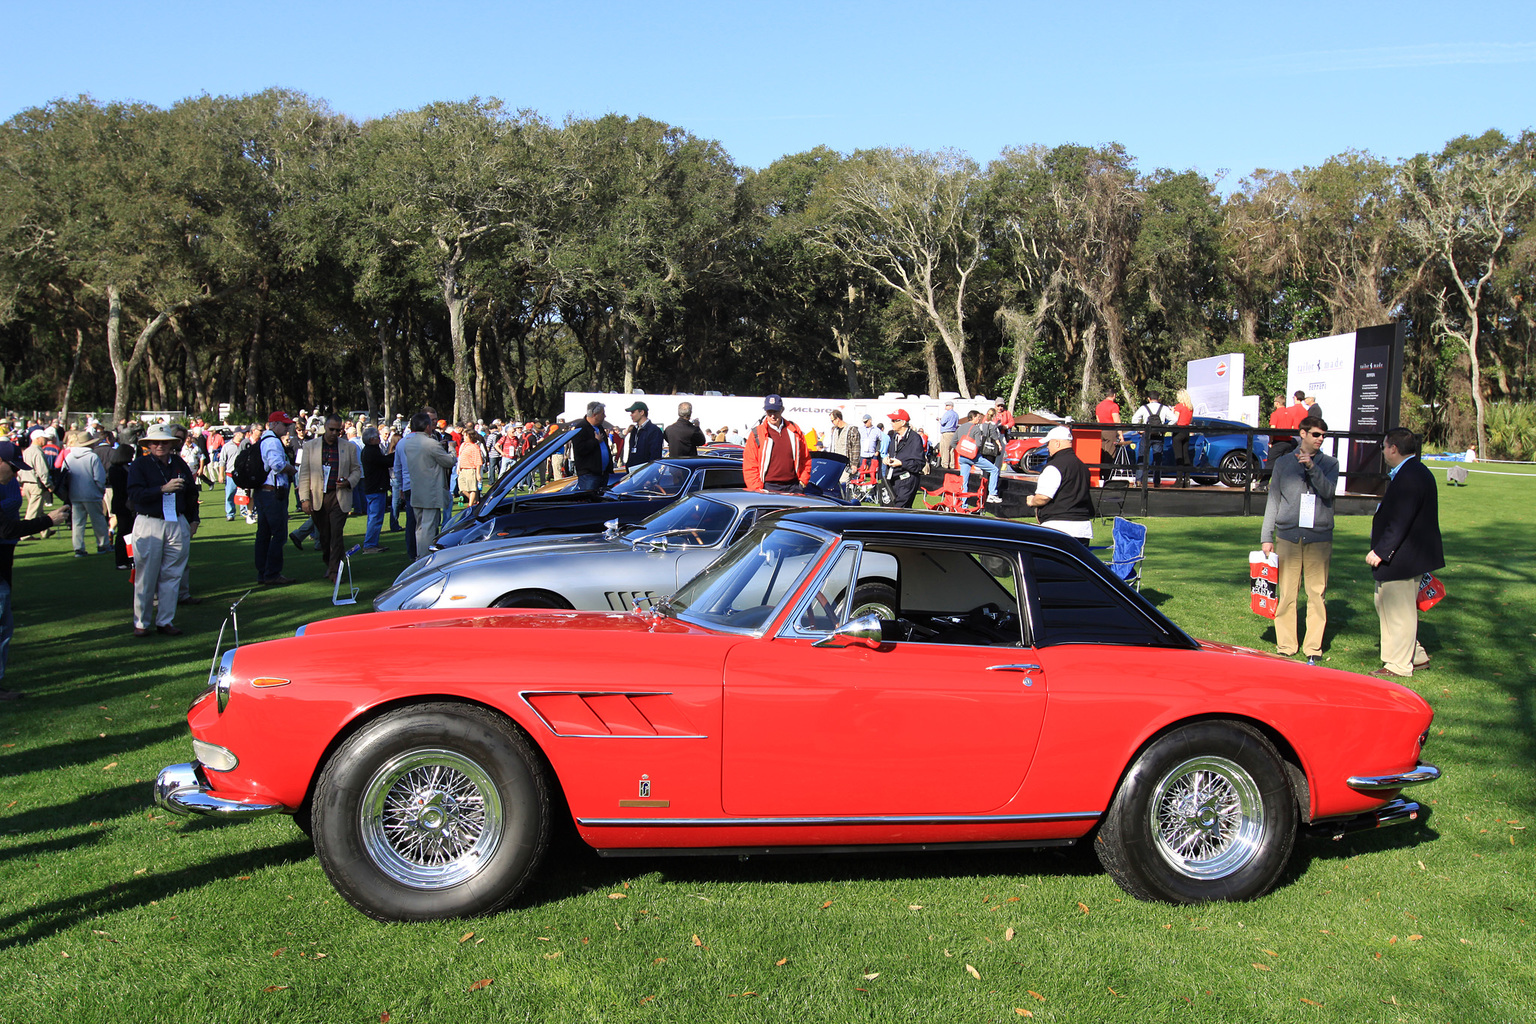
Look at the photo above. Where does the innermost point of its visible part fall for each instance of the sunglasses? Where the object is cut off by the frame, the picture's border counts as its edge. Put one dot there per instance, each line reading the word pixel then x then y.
pixel 1317 433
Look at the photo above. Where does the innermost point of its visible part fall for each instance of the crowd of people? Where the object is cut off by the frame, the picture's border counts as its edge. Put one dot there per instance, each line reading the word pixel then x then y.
pixel 138 488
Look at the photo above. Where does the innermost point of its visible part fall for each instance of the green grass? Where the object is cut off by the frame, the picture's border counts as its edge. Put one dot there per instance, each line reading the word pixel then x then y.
pixel 112 911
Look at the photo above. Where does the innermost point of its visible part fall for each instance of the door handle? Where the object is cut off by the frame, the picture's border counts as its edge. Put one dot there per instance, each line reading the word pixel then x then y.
pixel 1026 669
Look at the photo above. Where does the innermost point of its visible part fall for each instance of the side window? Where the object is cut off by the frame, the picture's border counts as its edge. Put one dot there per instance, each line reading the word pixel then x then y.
pixel 943 595
pixel 722 479
pixel 824 610
pixel 747 519
pixel 1074 606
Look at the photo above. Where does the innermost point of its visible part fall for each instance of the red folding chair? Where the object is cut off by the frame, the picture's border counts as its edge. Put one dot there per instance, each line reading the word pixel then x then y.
pixel 953 496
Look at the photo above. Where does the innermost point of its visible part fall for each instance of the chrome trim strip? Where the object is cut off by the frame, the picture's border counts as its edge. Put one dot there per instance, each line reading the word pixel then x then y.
pixel 179 790
pixel 1377 783
pixel 892 819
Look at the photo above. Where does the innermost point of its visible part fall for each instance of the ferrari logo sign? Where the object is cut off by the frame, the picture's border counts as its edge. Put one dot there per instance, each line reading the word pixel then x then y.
pixel 1221 369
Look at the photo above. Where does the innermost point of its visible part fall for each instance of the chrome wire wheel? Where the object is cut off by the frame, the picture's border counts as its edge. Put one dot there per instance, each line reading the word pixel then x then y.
pixel 430 818
pixel 1207 817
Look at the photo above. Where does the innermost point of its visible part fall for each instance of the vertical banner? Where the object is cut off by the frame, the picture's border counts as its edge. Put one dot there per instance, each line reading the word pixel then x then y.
pixel 1356 379
pixel 1215 385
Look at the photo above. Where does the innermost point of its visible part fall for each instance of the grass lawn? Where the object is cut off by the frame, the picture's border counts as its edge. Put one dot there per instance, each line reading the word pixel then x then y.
pixel 111 910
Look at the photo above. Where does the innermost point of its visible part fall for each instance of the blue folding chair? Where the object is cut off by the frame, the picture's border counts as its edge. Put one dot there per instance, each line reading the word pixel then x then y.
pixel 1127 551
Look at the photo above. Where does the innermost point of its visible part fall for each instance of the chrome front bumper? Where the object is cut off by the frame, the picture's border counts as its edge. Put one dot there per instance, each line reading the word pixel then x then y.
pixel 182 789
pixel 1382 783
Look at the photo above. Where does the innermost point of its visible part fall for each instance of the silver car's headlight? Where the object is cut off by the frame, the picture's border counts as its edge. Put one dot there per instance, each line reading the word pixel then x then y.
pixel 427 596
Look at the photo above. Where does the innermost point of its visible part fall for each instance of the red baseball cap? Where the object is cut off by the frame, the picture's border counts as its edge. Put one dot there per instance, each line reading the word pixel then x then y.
pixel 279 417
pixel 900 414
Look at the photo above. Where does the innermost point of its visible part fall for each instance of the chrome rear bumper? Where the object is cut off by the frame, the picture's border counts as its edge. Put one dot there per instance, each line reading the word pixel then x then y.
pixel 1381 783
pixel 183 789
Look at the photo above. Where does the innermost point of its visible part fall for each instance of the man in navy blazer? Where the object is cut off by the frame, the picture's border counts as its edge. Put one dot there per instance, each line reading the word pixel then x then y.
pixel 1405 544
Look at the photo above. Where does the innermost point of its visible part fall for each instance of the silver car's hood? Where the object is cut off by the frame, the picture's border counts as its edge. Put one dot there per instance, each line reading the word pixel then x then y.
pixel 464 555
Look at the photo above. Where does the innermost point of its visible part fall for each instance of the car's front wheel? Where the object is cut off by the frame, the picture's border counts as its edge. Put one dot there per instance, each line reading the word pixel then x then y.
pixel 431 811
pixel 1205 813
pixel 1235 469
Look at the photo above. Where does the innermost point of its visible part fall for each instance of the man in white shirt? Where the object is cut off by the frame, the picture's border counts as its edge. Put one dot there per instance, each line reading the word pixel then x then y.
pixel 1062 492
pixel 1153 412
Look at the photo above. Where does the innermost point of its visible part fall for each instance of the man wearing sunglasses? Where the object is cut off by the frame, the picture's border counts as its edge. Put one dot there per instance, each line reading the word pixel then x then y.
pixel 1298 527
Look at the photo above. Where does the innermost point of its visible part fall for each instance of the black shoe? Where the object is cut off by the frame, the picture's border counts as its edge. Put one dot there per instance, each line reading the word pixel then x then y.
pixel 189 600
pixel 11 695
pixel 276 581
pixel 169 630
pixel 298 541
pixel 79 554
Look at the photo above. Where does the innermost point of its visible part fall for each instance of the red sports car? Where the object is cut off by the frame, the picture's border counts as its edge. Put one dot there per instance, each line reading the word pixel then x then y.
pixel 998 688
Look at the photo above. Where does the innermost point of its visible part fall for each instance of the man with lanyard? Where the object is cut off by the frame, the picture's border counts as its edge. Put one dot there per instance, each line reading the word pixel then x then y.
pixel 590 457
pixel 271 500
pixel 949 425
pixel 684 436
pixel 642 442
pixel 1298 526
pixel 904 460
pixel 328 474
pixel 1061 494
pixel 12 529
pixel 776 457
pixel 163 493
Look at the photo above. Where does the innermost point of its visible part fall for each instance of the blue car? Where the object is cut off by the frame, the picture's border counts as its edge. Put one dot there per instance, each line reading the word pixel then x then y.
pixel 1216 453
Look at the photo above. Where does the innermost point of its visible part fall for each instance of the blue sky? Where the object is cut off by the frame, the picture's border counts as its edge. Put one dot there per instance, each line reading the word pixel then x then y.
pixel 1184 85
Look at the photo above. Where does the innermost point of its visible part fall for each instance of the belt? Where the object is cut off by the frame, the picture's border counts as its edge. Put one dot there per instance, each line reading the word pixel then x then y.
pixel 270 487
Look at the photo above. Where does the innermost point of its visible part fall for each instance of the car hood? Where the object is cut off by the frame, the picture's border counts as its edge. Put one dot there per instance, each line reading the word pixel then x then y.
pixel 462 555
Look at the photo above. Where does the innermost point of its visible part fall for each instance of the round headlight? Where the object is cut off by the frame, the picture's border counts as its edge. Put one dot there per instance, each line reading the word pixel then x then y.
pixel 427 596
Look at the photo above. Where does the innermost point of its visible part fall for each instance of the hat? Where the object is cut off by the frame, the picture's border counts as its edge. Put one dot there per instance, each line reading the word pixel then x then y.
pixel 1058 434
pixel 639 407
pixel 11 455
pixel 442 423
pixel 900 414
pixel 162 432
pixel 867 419
pixel 773 403
pixel 279 417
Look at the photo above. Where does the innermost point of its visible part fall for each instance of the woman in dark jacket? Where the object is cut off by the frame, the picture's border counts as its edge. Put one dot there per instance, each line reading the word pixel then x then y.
pixel 376 466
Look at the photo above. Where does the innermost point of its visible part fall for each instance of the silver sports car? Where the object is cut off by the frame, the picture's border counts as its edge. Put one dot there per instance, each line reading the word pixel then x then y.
pixel 616 570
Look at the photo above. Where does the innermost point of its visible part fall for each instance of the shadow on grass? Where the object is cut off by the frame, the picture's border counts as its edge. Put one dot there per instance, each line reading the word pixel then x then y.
pixel 130 798
pixel 74 842
pixel 85 751
pixel 33 924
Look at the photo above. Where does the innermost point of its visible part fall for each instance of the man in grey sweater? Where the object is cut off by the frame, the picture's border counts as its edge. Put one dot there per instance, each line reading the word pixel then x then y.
pixel 1298 525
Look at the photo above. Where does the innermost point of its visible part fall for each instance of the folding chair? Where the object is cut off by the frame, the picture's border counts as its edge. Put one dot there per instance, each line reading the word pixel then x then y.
pixel 952 494
pixel 1127 551
pixel 863 484
pixel 1112 498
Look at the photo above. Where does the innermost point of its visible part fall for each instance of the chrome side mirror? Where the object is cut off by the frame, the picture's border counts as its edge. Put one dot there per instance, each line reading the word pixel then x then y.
pixel 610 529
pixel 864 631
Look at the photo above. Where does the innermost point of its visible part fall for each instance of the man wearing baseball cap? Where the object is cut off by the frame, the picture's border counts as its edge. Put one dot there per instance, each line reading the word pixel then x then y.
pixel 13 528
pixel 905 459
pixel 775 456
pixel 642 441
pixel 1061 494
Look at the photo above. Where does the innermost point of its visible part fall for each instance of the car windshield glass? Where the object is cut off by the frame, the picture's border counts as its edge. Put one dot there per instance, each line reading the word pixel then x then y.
pixel 745 586
pixel 695 520
pixel 529 473
pixel 652 480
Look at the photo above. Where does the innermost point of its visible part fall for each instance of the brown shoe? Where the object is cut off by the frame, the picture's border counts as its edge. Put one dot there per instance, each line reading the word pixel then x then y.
pixel 140 632
pixel 169 630
pixel 1386 673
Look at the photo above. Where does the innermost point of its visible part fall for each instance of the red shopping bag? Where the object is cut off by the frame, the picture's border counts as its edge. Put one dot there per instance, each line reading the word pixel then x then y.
pixel 1431 591
pixel 242 499
pixel 1265 570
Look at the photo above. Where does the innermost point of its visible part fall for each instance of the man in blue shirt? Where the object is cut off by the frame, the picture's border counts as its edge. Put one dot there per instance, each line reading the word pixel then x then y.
pixel 949 426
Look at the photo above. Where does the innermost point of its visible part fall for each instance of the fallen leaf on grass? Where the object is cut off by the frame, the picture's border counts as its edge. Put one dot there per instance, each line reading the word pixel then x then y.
pixel 1310 1002
pixel 384 1017
pixel 112 765
pixel 646 1000
pixel 1261 967
pixel 910 906
pixel 825 905
pixel 659 960
pixel 551 956
pixel 1083 907
pixel 1112 992
pixel 618 895
pixel 279 952
pixel 973 972
pixel 871 977
pixel 1269 951
pixel 477 986
pixel 698 943
pixel 1013 899
pixel 544 938
pixel 1414 938
pixel 1037 995
pixel 1008 935
pixel 781 963
pixel 10 805
pixel 63 954
pixel 1023 1012
pixel 275 988
pixel 466 937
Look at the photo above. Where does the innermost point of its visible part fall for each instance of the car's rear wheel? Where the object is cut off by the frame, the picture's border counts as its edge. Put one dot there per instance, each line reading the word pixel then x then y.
pixel 1235 469
pixel 530 599
pixel 432 811
pixel 1205 813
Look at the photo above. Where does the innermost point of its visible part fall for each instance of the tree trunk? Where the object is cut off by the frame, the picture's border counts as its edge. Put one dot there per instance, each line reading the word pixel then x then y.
pixel 385 329
pixel 454 299
pixel 1090 344
pixel 258 333
pixel 931 364
pixel 74 369
pixel 627 350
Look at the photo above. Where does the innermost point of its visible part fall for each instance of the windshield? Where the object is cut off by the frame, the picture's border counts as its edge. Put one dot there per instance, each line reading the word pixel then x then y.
pixel 652 480
pixel 528 474
pixel 747 584
pixel 694 521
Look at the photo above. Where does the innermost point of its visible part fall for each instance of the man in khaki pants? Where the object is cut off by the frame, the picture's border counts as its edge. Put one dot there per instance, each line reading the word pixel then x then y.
pixel 1298 525
pixel 1405 544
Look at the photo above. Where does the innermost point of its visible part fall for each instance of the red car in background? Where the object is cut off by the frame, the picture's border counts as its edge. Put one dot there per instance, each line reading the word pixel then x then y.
pixel 999 689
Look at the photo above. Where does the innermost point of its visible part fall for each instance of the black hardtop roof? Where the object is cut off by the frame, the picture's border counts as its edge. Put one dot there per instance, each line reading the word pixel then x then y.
pixel 865 519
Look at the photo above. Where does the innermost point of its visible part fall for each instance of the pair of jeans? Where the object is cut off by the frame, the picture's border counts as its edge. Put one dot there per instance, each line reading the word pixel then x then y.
pixel 271 531
pixel 229 497
pixel 375 503
pixel 991 468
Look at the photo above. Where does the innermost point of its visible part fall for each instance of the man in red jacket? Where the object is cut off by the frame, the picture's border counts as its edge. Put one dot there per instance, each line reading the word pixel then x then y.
pixel 775 456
